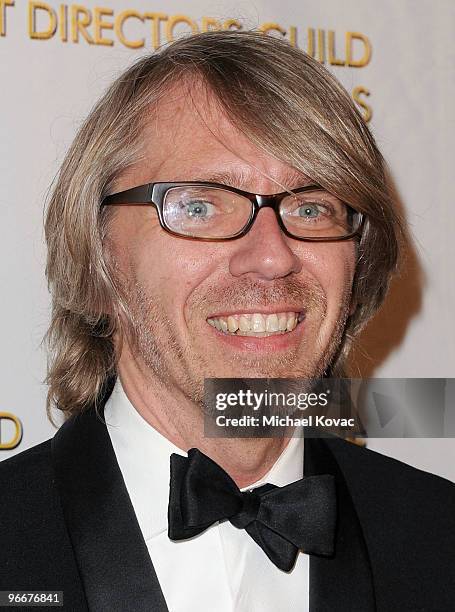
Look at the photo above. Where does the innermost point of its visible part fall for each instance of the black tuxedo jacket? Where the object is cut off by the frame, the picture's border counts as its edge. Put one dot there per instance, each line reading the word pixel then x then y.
pixel 67 524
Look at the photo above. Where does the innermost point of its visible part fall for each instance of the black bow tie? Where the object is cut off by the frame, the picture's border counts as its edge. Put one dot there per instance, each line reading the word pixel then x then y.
pixel 282 520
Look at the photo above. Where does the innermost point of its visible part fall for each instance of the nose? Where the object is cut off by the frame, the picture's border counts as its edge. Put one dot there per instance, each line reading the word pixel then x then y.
pixel 264 252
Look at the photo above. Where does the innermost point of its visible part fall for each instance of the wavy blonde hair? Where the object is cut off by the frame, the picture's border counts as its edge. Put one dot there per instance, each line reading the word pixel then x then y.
pixel 286 103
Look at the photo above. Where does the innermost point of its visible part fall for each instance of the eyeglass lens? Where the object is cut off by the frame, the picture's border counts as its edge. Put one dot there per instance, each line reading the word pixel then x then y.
pixel 211 212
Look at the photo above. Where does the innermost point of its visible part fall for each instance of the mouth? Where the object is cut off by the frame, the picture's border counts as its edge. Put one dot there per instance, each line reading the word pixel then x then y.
pixel 256 324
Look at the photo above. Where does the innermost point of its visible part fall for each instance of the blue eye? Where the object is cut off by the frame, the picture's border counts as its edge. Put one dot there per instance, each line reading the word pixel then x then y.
pixel 196 209
pixel 309 211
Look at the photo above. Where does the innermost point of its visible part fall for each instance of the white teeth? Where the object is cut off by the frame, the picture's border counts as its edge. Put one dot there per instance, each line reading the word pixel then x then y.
pixel 244 323
pixel 233 324
pixel 282 322
pixel 257 324
pixel 272 323
pixel 291 322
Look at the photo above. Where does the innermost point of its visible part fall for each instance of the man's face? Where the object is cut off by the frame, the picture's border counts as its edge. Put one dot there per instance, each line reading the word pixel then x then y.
pixel 175 285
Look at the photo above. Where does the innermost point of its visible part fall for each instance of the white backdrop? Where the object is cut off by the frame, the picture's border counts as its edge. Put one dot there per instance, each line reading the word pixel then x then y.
pixel 50 76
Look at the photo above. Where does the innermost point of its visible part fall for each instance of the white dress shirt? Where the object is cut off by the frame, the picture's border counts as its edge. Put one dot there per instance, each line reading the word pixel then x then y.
pixel 221 569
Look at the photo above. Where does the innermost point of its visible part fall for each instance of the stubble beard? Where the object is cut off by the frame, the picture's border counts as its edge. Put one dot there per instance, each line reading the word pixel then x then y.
pixel 152 337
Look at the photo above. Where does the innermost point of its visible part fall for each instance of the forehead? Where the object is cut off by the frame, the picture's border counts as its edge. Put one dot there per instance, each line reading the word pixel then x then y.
pixel 187 135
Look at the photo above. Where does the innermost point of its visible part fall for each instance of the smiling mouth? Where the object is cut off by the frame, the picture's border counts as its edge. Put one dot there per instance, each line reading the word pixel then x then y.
pixel 257 325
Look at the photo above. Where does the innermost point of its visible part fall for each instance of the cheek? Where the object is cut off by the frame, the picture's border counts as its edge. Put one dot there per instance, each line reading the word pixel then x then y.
pixel 169 267
pixel 332 265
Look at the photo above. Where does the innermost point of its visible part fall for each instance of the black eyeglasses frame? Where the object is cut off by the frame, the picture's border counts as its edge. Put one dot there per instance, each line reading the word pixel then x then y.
pixel 153 194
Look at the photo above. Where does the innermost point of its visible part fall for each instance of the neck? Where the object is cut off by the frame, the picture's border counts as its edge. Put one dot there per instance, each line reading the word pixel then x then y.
pixel 175 416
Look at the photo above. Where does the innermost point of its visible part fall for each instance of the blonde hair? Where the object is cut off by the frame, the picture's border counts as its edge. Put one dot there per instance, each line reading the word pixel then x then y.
pixel 286 103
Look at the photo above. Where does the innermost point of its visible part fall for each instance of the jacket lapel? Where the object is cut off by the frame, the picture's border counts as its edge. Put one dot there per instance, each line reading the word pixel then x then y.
pixel 111 554
pixel 344 581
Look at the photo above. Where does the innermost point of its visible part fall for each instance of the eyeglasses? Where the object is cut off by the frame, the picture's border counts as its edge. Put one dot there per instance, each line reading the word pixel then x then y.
pixel 211 211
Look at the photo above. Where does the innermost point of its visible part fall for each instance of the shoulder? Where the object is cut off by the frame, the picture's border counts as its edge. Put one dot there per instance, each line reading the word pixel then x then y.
pixel 35 551
pixel 394 493
pixel 386 474
pixel 397 502
pixel 26 483
pixel 408 522
pixel 32 464
pixel 28 495
pixel 406 514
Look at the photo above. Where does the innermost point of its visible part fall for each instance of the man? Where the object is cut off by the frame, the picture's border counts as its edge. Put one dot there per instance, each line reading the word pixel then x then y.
pixel 164 271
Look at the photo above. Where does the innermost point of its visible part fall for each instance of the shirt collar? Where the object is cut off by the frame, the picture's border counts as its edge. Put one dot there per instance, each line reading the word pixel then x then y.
pixel 143 455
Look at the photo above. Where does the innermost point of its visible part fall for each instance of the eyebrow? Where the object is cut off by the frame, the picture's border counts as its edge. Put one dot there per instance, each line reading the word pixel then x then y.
pixel 240 178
